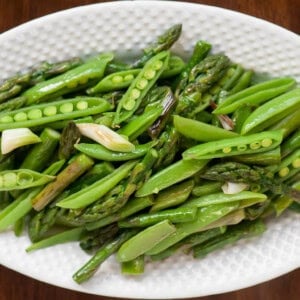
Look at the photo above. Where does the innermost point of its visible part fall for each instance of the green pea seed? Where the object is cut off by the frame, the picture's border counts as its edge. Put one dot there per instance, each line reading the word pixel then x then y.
pixel 296 163
pixel 284 172
pixel 135 94
pixel 117 79
pixel 34 114
pixel 128 77
pixel 24 178
pixel 142 84
pixel 129 105
pixel 50 111
pixel 157 65
pixel 81 105
pixel 266 143
pixel 149 74
pixel 242 148
pixel 255 145
pixel 227 150
pixel 19 117
pixel 66 108
pixel 9 179
pixel 6 119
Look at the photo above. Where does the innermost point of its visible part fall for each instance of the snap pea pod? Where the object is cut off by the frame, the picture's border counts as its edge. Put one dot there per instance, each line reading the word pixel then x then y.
pixel 171 175
pixel 140 86
pixel 289 166
pixel 173 196
pixel 22 179
pixel 176 215
pixel 145 240
pixel 114 82
pixel 74 79
pixel 272 111
pixel 254 143
pixel 162 43
pixel 22 205
pixel 272 157
pixel 98 189
pixel 141 123
pixel 239 117
pixel 45 113
pixel 255 95
pixel 7 161
pixel 131 207
pixel 200 131
pixel 134 267
pixel 41 153
pixel 122 79
pixel 214 229
pixel 244 230
pixel 205 216
pixel 288 124
pixel 76 168
pixel 291 144
pixel 87 271
pixel 100 152
pixel 219 198
pixel 281 204
pixel 59 238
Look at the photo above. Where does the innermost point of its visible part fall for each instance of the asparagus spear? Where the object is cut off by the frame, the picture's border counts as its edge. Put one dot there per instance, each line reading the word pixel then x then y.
pixel 88 270
pixel 76 168
pixel 163 42
pixel 120 194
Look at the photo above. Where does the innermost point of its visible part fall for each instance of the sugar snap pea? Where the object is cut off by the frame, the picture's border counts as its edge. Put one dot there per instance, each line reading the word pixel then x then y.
pixel 272 111
pixel 258 142
pixel 45 113
pixel 100 152
pixel 171 175
pixel 73 79
pixel 140 86
pixel 289 166
pixel 200 131
pixel 145 240
pixel 22 179
pixel 256 94
pixel 291 144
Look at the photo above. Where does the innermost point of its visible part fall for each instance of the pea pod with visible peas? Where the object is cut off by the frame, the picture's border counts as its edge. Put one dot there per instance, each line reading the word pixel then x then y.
pixel 131 100
pixel 255 143
pixel 272 111
pixel 45 113
pixel 72 80
pixel 291 144
pixel 22 179
pixel 289 165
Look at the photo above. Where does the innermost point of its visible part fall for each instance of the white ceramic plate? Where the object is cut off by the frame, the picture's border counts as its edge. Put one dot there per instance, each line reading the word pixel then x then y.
pixel 126 27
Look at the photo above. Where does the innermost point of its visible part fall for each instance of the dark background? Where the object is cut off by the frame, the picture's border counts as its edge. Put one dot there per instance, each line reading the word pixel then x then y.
pixel 14 286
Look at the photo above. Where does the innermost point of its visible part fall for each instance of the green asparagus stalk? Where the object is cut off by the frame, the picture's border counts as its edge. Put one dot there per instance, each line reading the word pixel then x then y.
pixel 244 230
pixel 88 270
pixel 163 42
pixel 76 168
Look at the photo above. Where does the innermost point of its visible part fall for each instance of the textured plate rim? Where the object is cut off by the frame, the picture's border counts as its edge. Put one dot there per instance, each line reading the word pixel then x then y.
pixel 276 271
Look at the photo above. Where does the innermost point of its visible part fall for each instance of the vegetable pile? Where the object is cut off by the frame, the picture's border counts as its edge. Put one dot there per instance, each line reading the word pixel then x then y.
pixel 147 158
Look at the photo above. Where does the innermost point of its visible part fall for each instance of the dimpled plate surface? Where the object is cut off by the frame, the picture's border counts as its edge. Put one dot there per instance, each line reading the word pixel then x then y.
pixel 127 27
